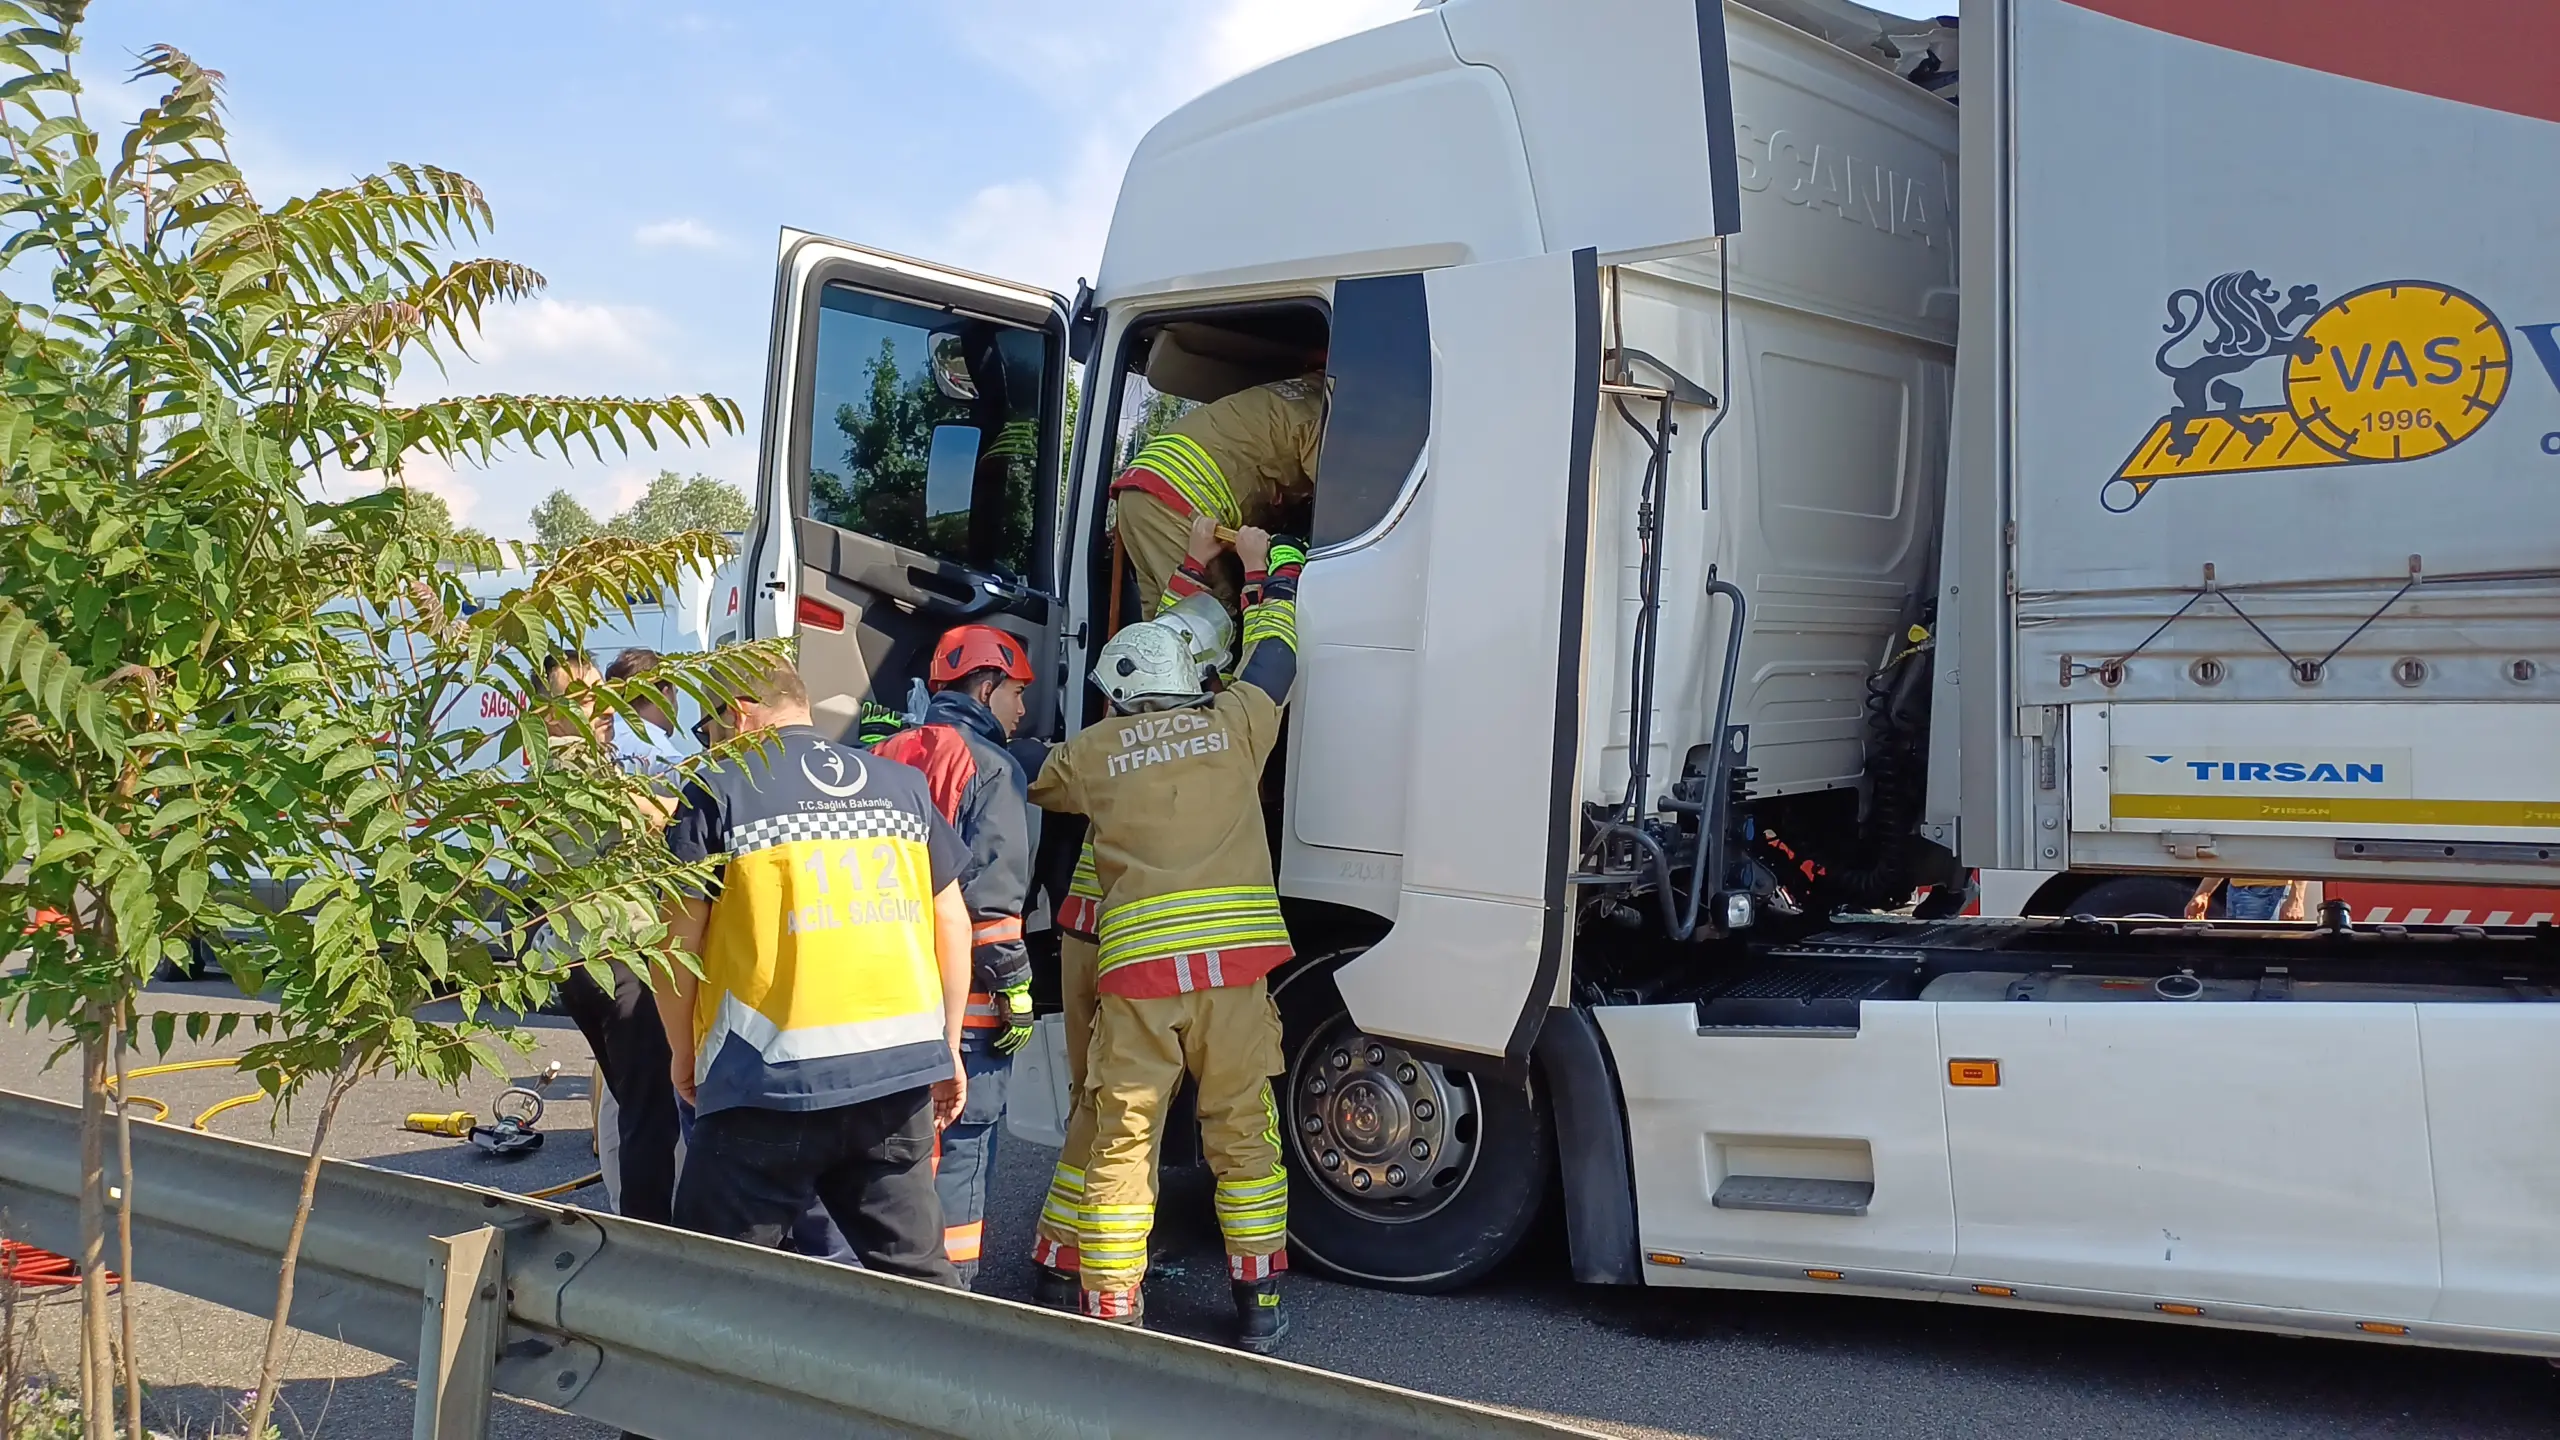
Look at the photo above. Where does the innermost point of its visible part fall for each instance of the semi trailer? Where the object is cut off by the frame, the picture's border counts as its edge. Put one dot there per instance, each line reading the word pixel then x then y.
pixel 1782 456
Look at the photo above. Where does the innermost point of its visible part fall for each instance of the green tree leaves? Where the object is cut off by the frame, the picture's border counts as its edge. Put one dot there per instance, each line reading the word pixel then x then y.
pixel 560 521
pixel 675 504
pixel 237 701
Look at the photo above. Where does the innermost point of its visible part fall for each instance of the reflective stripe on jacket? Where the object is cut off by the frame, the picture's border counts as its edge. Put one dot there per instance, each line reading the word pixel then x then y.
pixel 1177 835
pixel 1081 912
pixel 820 986
pixel 1238 456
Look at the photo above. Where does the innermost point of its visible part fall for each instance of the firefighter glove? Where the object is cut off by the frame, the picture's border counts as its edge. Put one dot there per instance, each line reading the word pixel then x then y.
pixel 1013 1007
pixel 877 723
pixel 1288 552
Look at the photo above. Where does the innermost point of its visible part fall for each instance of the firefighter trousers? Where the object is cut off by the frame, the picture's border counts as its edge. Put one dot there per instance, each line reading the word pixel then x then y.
pixel 1228 1040
pixel 1061 1215
pixel 1154 536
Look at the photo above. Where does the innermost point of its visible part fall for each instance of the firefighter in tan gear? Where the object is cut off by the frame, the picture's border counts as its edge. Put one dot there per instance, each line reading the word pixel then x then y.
pixel 1190 924
pixel 1235 460
pixel 1055 1243
pixel 1270 434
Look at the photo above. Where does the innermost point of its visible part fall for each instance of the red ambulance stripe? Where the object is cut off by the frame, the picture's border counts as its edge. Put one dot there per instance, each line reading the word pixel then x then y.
pixel 2495 53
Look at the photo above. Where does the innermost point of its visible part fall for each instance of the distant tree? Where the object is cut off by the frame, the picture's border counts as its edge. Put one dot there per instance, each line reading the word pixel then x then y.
pixel 676 503
pixel 560 521
pixel 429 516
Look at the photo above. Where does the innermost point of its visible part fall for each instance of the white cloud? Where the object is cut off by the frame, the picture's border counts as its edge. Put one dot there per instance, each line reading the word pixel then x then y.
pixel 555 347
pixel 1050 230
pixel 684 233
pixel 426 472
pixel 564 347
pixel 1044 232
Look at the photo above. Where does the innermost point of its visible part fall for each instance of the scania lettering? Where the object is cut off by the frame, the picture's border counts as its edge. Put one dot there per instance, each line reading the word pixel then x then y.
pixel 1778 461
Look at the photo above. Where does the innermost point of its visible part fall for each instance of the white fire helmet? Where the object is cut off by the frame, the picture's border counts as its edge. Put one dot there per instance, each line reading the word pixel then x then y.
pixel 1166 661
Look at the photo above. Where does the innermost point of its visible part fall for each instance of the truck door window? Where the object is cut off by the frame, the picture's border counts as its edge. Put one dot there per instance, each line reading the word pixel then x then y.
pixel 1145 411
pixel 1380 370
pixel 925 430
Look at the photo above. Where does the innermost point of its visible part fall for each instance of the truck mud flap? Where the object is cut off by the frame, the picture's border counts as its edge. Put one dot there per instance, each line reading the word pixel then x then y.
pixel 1591 1150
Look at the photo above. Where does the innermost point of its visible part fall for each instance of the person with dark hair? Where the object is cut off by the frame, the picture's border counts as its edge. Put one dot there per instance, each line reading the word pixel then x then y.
pixel 819 1044
pixel 620 1022
pixel 977 675
pixel 650 747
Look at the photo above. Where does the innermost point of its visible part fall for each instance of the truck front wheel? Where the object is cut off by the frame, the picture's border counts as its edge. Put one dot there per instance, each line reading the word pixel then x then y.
pixel 1404 1173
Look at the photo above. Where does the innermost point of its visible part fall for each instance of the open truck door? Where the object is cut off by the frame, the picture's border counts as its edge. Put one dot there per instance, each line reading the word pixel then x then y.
pixel 907 473
pixel 1630 147
pixel 1483 921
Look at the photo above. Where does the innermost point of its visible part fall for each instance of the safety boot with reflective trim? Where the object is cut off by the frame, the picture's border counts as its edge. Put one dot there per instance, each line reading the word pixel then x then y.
pixel 1054 1289
pixel 1260 1322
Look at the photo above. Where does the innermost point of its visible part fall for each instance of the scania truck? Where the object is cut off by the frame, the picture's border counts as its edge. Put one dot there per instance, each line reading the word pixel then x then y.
pixel 1781 457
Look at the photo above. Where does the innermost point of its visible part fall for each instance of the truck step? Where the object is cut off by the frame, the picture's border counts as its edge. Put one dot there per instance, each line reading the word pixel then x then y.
pixel 1794 1194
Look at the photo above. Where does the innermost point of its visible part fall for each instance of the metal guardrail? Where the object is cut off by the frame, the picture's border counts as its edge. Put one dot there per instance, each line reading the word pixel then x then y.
pixel 667 1333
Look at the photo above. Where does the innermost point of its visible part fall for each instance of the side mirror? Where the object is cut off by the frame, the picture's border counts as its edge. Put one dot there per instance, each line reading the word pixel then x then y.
pixel 950 361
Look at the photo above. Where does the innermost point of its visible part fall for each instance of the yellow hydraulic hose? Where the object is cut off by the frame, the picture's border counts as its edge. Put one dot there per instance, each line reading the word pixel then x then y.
pixel 160 1108
pixel 204 1118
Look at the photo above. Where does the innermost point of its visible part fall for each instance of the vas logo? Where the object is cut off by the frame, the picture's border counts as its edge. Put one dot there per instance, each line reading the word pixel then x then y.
pixel 2391 372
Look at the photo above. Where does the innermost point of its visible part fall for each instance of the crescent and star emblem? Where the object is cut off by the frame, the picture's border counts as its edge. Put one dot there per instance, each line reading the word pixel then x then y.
pixel 832 761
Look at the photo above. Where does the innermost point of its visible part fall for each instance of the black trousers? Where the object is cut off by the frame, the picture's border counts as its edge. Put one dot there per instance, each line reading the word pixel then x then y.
pixel 631 1047
pixel 748 1175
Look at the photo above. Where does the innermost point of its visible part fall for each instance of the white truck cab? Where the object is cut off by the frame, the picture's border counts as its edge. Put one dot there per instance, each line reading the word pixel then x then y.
pixel 1630 548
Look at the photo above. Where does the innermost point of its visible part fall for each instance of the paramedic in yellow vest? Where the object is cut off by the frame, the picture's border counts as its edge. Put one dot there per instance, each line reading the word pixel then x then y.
pixel 1190 925
pixel 820 1045
pixel 1236 460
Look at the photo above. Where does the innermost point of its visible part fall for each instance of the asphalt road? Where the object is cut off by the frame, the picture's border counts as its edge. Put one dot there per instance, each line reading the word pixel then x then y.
pixel 1629 1362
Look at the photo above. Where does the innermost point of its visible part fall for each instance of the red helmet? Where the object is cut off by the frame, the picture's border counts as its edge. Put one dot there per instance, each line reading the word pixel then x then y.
pixel 967 649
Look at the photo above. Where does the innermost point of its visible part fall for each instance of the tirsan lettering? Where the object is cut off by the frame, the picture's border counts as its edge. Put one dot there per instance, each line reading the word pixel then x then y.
pixel 2285 772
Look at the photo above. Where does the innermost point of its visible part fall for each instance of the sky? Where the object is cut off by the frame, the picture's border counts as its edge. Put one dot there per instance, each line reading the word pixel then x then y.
pixel 644 154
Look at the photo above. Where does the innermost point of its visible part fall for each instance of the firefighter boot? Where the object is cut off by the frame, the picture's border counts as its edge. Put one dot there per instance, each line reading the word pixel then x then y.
pixel 1053 1288
pixel 1260 1322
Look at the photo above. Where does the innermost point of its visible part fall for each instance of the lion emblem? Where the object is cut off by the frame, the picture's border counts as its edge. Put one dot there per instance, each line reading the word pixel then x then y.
pixel 2247 328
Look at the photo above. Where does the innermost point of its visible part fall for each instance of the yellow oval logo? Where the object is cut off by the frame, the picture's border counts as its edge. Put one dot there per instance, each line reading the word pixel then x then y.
pixel 2397 371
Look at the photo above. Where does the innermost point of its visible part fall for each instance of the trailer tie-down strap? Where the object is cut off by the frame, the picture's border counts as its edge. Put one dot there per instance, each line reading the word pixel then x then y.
pixel 2109 672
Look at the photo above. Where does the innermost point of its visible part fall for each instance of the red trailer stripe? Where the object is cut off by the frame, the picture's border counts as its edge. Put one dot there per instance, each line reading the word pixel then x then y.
pixel 2496 53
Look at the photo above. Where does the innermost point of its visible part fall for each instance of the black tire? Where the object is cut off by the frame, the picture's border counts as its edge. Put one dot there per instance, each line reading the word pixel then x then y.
pixel 1442 1240
pixel 2123 897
